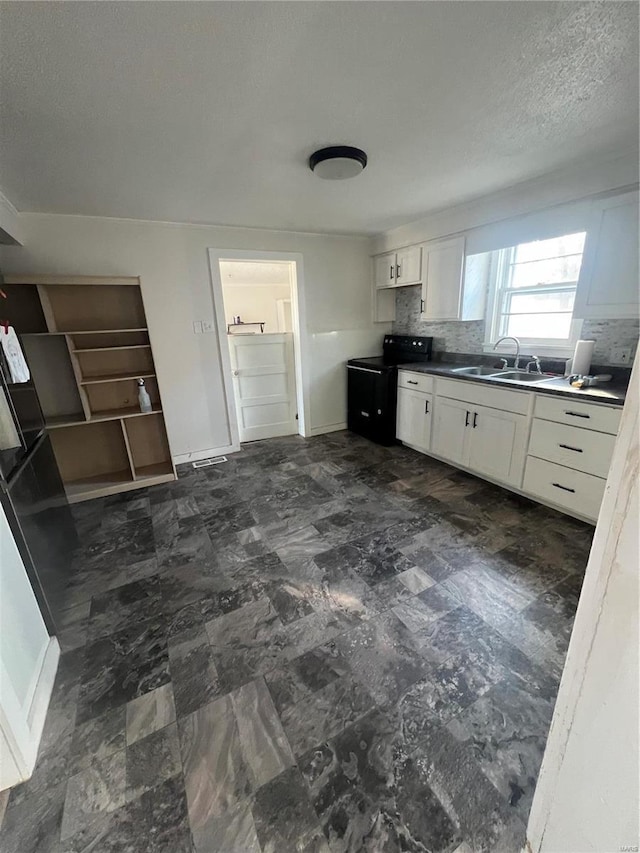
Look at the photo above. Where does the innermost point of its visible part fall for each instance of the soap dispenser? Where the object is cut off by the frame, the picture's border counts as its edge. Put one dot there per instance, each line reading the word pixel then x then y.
pixel 143 397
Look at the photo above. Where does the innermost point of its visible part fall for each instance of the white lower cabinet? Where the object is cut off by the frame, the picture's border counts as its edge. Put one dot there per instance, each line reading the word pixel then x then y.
pixel 413 419
pixel 578 493
pixel 487 441
pixel 450 430
pixel 567 454
pixel 497 444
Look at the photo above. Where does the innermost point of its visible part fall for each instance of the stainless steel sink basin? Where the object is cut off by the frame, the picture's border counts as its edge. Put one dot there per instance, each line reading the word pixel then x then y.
pixel 476 371
pixel 520 376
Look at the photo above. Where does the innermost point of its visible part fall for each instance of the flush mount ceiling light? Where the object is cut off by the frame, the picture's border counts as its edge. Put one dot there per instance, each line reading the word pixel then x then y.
pixel 337 162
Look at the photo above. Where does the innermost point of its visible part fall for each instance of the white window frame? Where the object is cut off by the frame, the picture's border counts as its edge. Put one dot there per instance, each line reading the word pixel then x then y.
pixel 559 347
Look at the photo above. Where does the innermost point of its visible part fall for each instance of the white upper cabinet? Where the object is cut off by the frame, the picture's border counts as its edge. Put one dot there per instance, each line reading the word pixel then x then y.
pixel 608 286
pixel 409 266
pixel 452 288
pixel 384 267
pixel 442 287
pixel 397 269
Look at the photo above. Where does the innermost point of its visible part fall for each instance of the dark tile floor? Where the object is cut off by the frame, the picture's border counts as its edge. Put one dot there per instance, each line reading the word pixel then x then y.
pixel 320 645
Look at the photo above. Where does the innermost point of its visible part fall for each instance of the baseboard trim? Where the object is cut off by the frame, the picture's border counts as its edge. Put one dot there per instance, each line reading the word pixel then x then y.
pixel 321 430
pixel 197 455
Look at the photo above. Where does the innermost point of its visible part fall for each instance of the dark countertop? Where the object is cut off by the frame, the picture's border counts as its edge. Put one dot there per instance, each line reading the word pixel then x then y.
pixel 613 392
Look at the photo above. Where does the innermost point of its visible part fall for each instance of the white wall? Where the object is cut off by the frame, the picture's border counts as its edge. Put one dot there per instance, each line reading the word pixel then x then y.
pixel 173 264
pixel 587 794
pixel 254 302
pixel 28 659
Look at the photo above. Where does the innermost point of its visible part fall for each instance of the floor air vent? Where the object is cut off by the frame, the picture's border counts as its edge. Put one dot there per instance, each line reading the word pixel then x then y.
pixel 204 463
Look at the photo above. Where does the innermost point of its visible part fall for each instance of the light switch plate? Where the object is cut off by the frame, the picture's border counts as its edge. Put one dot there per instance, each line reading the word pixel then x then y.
pixel 197 327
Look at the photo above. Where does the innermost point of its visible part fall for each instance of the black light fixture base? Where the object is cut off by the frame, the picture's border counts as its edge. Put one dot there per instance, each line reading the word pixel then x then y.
pixel 339 152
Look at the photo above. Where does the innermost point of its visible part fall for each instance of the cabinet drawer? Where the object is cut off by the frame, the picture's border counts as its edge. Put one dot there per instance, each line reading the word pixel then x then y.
pixel 575 491
pixel 582 449
pixel 577 413
pixel 415 381
pixel 483 395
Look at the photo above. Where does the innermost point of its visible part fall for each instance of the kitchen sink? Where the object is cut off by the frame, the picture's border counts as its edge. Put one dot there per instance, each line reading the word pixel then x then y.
pixel 521 376
pixel 476 371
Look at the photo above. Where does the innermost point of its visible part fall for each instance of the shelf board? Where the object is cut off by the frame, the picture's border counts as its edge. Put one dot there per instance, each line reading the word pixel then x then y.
pixel 114 482
pixel 111 349
pixel 90 332
pixel 107 415
pixel 156 470
pixel 80 489
pixel 65 420
pixel 116 414
pixel 115 377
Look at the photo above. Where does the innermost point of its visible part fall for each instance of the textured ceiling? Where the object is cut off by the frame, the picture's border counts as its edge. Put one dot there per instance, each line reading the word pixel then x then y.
pixel 207 112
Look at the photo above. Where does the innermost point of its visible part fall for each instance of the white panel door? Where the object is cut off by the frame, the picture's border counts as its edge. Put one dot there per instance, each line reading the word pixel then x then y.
pixel 452 417
pixel 413 419
pixel 442 288
pixel 264 385
pixel 497 444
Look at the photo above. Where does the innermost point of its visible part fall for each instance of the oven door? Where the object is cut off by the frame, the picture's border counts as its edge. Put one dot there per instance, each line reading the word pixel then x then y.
pixel 371 403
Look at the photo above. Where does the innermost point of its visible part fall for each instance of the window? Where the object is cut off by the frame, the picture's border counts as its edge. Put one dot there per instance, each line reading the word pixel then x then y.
pixel 535 288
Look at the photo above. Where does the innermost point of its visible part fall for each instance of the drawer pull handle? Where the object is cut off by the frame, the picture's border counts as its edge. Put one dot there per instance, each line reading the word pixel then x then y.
pixel 577 414
pixel 475 420
pixel 411 382
pixel 568 447
pixel 466 420
pixel 564 488
pixel 426 407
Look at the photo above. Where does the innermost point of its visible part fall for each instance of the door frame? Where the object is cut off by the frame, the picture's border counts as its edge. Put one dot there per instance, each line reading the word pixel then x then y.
pixel 300 337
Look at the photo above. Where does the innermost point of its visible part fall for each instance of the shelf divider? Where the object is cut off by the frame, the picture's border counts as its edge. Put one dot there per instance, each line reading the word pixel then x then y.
pixel 78 376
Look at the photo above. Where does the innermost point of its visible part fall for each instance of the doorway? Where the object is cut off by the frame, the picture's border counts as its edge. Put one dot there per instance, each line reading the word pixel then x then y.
pixel 257 304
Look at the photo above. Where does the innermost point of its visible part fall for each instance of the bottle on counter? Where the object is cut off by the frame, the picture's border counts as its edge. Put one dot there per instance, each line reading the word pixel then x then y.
pixel 143 397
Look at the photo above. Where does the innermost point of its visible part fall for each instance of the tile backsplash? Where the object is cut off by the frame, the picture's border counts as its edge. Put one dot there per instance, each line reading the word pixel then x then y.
pixel 468 337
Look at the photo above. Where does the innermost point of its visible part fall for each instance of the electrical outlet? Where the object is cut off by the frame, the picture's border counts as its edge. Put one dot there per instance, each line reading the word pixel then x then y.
pixel 620 355
pixel 197 327
pixel 207 326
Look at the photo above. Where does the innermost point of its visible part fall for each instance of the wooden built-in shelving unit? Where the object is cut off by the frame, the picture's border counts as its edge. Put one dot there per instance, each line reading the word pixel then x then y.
pixel 87 343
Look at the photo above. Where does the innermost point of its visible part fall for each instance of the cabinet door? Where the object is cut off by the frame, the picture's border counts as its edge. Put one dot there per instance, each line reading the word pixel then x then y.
pixel 450 430
pixel 608 286
pixel 442 288
pixel 385 270
pixel 497 444
pixel 413 419
pixel 409 266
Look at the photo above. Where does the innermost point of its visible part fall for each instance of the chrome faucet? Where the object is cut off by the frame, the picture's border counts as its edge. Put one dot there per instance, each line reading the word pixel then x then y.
pixel 516 363
pixel 535 361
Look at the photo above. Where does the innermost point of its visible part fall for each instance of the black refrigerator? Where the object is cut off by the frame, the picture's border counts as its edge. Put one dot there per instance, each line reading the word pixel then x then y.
pixel 33 496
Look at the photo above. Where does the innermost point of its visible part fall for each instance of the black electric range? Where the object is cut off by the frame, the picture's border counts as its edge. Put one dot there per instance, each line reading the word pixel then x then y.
pixel 372 385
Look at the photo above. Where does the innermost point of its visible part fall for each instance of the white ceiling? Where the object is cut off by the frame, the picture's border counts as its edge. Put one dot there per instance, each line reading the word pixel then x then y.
pixel 207 111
